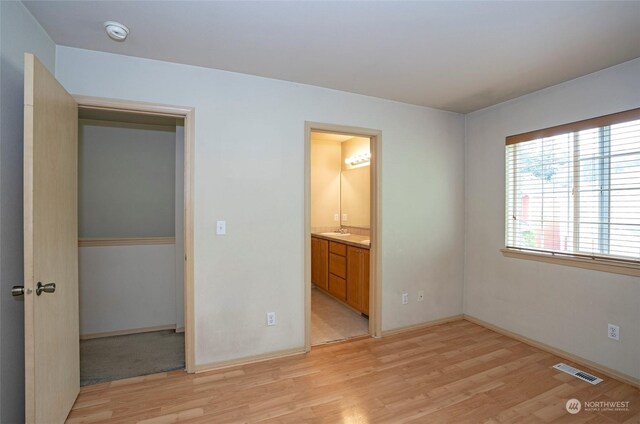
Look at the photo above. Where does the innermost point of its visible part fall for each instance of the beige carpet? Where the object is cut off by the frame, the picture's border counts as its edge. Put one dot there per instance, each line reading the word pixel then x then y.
pixel 332 321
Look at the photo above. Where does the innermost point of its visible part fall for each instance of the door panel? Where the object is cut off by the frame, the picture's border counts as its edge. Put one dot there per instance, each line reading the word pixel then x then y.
pixel 320 262
pixel 52 365
pixel 354 277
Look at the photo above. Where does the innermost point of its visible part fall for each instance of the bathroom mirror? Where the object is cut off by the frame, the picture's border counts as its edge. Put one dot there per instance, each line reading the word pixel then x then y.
pixel 340 181
pixel 354 197
pixel 355 187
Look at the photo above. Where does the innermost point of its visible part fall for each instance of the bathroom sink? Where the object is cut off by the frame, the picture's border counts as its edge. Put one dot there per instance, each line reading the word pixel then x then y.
pixel 334 234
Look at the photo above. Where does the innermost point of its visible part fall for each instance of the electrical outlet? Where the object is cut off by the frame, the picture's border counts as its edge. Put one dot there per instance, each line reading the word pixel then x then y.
pixel 336 217
pixel 221 228
pixel 420 295
pixel 345 216
pixel 613 331
pixel 271 318
pixel 405 298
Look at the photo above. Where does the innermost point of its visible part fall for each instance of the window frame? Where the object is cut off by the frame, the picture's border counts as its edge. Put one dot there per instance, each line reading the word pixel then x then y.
pixel 580 260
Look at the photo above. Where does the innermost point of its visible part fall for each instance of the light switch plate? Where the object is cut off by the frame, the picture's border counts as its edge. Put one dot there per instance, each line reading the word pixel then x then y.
pixel 221 228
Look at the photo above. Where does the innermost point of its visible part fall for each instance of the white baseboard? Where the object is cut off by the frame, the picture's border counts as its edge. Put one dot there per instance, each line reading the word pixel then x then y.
pixel 558 352
pixel 129 331
pixel 214 366
pixel 420 326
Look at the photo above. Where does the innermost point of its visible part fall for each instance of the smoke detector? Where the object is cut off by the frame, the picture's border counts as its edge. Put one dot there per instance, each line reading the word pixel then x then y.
pixel 116 30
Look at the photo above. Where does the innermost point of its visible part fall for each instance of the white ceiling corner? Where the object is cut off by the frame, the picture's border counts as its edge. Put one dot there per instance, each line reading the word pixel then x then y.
pixel 457 56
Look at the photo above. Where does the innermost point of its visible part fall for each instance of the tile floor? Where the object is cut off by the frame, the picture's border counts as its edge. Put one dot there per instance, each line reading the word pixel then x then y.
pixel 332 321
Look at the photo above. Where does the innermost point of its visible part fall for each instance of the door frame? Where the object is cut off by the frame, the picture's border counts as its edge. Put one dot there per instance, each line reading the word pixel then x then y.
pixel 188 114
pixel 375 257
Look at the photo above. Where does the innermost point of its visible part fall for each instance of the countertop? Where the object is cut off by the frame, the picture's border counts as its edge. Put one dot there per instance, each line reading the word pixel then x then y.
pixel 352 239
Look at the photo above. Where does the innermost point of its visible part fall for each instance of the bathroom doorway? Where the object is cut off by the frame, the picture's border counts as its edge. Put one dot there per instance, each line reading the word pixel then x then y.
pixel 341 219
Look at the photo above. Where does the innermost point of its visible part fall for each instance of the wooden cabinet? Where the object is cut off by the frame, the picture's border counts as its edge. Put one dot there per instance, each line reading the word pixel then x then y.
pixel 358 278
pixel 338 287
pixel 320 262
pixel 338 270
pixel 338 248
pixel 342 270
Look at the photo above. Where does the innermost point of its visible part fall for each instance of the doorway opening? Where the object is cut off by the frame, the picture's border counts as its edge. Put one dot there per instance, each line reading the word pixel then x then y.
pixel 134 228
pixel 341 219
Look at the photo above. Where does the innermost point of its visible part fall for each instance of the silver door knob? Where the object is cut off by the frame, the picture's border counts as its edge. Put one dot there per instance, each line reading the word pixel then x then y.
pixel 47 288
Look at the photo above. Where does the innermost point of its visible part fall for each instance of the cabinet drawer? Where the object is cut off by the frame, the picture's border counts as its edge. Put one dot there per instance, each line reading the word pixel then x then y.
pixel 338 248
pixel 338 287
pixel 338 265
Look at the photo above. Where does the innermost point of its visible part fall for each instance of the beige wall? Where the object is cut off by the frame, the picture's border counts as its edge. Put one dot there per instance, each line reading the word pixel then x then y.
pixel 355 187
pixel 355 194
pixel 352 147
pixel 325 184
pixel 561 306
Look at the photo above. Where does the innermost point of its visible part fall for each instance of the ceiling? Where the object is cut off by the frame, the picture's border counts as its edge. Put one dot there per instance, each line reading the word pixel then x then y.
pixel 457 56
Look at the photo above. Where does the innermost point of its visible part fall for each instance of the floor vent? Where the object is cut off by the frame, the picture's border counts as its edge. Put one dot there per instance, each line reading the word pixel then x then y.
pixel 578 373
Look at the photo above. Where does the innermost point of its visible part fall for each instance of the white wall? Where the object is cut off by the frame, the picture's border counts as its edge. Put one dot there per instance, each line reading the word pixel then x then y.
pixel 126 180
pixel 19 33
pixel 324 190
pixel 249 157
pixel 131 185
pixel 179 227
pixel 126 287
pixel 564 307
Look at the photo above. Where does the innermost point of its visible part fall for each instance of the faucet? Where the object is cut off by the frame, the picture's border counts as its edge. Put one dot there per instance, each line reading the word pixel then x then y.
pixel 343 230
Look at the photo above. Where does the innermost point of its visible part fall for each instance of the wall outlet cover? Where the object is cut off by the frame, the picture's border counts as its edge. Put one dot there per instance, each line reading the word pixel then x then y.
pixel 221 228
pixel 271 318
pixel 613 331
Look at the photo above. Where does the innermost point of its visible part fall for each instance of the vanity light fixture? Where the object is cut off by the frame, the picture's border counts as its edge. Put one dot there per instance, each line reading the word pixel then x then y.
pixel 358 159
pixel 116 31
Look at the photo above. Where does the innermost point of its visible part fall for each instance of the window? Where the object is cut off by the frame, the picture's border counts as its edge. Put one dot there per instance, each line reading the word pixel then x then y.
pixel 574 190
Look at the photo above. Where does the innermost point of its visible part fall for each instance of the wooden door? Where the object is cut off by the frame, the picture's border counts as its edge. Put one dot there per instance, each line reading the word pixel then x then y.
pixel 52 363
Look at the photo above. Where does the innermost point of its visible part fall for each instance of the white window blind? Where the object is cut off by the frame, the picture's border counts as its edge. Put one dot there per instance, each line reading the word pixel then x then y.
pixel 575 189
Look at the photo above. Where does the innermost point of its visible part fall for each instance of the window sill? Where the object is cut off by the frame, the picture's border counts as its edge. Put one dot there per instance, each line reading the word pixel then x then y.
pixel 624 268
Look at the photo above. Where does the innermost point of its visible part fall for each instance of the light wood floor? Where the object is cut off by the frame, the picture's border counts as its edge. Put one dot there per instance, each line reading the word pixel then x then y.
pixel 453 373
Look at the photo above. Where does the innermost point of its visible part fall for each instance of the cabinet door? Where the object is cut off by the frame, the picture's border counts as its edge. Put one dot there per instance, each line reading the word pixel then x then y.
pixel 354 277
pixel 320 262
pixel 365 282
pixel 337 287
pixel 338 265
pixel 358 278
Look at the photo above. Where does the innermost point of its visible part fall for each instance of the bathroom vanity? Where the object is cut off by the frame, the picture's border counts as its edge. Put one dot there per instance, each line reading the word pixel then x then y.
pixel 340 267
